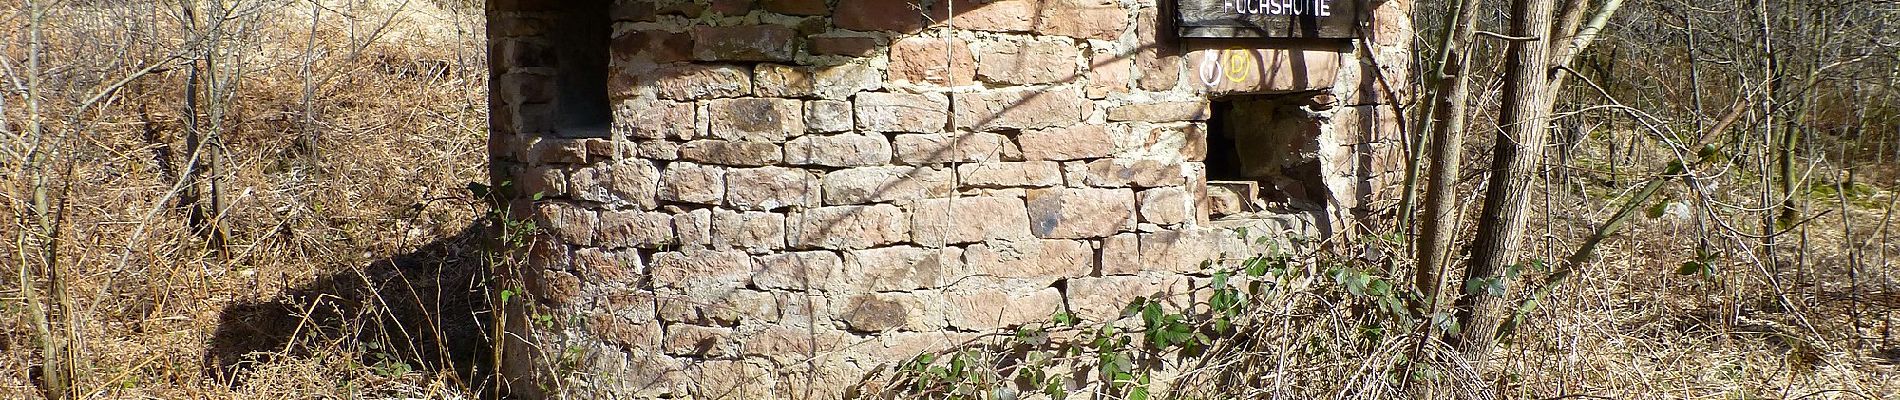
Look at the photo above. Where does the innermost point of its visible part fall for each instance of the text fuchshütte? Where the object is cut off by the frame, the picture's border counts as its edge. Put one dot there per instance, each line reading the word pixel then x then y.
pixel 1321 8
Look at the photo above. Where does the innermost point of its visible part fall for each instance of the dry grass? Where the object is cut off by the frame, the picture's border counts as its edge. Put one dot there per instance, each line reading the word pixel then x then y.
pixel 400 118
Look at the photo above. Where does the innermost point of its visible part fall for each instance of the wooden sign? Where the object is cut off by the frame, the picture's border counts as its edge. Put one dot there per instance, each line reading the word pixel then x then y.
pixel 1311 19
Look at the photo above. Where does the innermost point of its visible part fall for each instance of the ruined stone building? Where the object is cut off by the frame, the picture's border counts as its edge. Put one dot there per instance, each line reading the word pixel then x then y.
pixel 770 198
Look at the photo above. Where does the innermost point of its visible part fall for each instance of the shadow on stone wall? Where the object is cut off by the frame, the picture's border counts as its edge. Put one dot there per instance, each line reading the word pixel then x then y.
pixel 423 311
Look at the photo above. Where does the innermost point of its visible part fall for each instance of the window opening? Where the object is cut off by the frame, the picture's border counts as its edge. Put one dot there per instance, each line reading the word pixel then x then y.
pixel 580 40
pixel 1263 151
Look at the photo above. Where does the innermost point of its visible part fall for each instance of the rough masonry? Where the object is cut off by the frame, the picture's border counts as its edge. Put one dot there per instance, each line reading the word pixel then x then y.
pixel 790 193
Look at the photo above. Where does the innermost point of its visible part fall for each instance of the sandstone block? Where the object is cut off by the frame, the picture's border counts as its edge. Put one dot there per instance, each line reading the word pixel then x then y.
pixel 553 286
pixel 1067 143
pixel 547 251
pixel 798 308
pixel 849 227
pixel 918 149
pixel 1181 251
pixel 1387 64
pixel 901 16
pixel 734 379
pixel 654 119
pixel 694 227
pixel 932 61
pixel 753 119
pixel 688 9
pixel 1268 70
pixel 1173 142
pixel 843 150
pixel 624 332
pixel 701 81
pixel 633 305
pixel 1120 172
pixel 795 271
pixel 1065 213
pixel 902 112
pixel 939 222
pixel 1022 108
pixel 734 153
pixel 844 45
pixel 1010 174
pixel 1166 206
pixel 1158 62
pixel 1028 62
pixel 555 151
pixel 610 149
pixel 752 231
pixel 715 306
pixel 1230 199
pixel 1044 260
pixel 1392 23
pixel 656 46
pixel 827 116
pixel 695 340
pixel 840 82
pixel 1167 111
pixel 878 312
pixel 993 16
pixel 901 268
pixel 884 184
pixel 701 271
pixel 1103 299
pixel 795 7
pixel 776 80
pixel 986 308
pixel 663 150
pixel 608 267
pixel 731 7
pixel 1086 19
pixel 792 344
pixel 570 223
pixel 1108 73
pixel 693 183
pixel 545 180
pixel 744 43
pixel 829 377
pixel 630 11
pixel 642 229
pixel 903 345
pixel 771 188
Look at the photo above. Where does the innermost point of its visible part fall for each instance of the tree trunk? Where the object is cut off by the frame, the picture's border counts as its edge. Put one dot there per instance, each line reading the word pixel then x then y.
pixel 1447 150
pixel 1524 122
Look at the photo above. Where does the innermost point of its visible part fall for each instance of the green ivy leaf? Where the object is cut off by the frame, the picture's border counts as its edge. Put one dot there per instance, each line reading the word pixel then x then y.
pixel 1656 211
pixel 1134 307
pixel 1064 318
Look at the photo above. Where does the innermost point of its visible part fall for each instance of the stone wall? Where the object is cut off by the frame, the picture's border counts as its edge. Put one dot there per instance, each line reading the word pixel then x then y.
pixel 795 192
